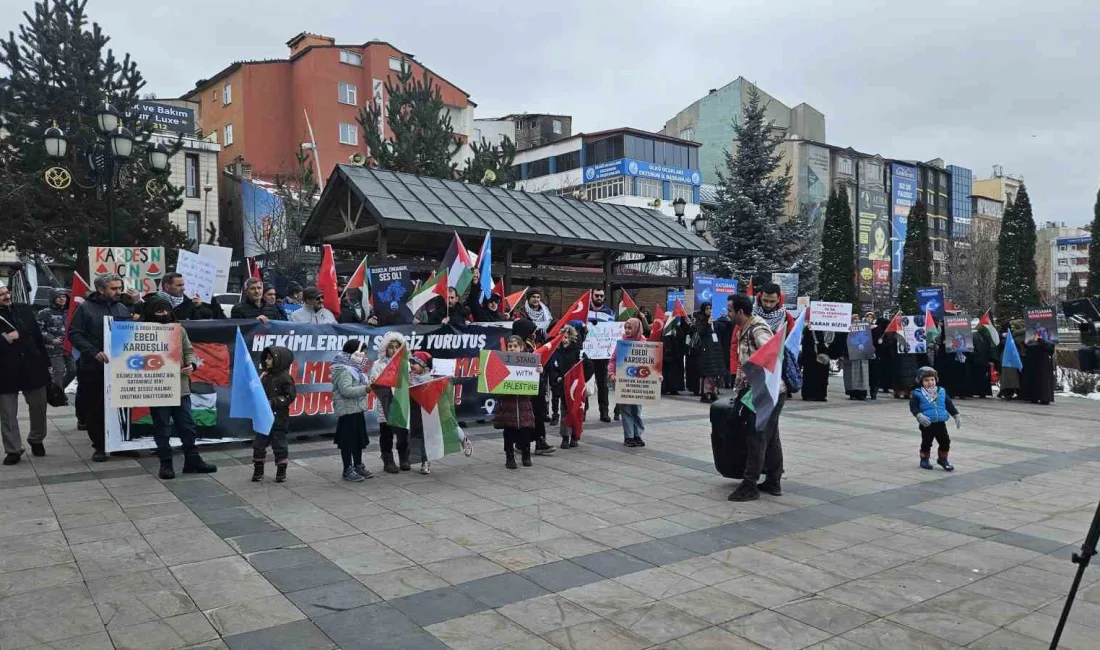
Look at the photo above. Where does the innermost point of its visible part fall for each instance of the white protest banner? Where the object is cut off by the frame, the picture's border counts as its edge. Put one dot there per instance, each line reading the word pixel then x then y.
pixel 141 267
pixel 830 316
pixel 223 258
pixel 915 342
pixel 601 339
pixel 638 371
pixel 144 364
pixel 199 275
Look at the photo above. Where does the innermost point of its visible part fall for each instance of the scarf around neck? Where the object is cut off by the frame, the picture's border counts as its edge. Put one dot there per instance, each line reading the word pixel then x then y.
pixel 540 315
pixel 172 300
pixel 773 318
pixel 931 395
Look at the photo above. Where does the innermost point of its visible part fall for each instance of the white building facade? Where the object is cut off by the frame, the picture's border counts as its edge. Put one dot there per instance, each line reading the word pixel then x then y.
pixel 1069 260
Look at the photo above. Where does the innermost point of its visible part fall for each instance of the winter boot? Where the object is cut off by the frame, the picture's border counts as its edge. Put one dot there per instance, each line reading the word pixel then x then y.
pixel 257 471
pixel 167 472
pixel 747 491
pixel 194 464
pixel 543 448
pixel 565 442
pixel 509 457
pixel 526 456
pixel 944 463
pixel 280 472
pixel 573 441
pixel 404 458
pixel 925 463
pixel 389 466
pixel 554 419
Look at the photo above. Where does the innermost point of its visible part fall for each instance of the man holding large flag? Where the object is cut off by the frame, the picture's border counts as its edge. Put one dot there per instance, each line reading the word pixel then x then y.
pixel 760 383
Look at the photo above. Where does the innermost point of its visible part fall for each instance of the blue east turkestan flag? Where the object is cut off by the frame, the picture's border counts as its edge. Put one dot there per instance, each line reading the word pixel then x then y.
pixel 247 398
pixel 1010 358
pixel 485 267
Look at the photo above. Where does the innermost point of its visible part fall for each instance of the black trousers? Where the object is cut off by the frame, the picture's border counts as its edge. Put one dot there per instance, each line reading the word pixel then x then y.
pixel 518 439
pixel 89 397
pixel 936 431
pixel 599 368
pixel 277 440
pixel 386 435
pixel 351 457
pixel 764 451
pixel 167 418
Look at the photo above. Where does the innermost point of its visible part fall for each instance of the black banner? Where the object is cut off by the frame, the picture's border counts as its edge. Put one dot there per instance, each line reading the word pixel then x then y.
pixel 390 288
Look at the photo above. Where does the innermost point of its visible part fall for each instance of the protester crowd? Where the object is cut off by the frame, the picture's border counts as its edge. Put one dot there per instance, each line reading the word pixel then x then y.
pixel 704 354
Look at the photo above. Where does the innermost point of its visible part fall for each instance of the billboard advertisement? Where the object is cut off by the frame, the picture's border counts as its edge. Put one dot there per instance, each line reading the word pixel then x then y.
pixel 903 196
pixel 162 117
pixel 813 185
pixel 874 245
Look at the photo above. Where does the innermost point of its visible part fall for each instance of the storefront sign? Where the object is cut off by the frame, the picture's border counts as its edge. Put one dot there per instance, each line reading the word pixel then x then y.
pixel 162 117
pixel 641 169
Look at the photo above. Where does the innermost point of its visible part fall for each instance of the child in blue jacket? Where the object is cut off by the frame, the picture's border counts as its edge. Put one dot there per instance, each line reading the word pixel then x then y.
pixel 932 407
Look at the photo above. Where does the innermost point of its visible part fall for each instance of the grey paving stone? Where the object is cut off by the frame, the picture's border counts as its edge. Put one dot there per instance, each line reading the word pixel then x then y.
pixel 299 634
pixel 58 479
pixel 658 552
pixel 701 542
pixel 191 490
pixel 331 598
pixel 916 517
pixel 283 558
pixel 504 589
pixel 740 534
pixel 825 614
pixel 1030 542
pixel 244 527
pixel 612 564
pixel 360 627
pixel 305 576
pixel 263 541
pixel 437 605
pixel 204 505
pixel 561 575
pixel 966 528
pixel 228 514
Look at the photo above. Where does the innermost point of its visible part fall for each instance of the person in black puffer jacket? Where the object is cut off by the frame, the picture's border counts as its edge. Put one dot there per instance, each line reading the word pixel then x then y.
pixel 568 355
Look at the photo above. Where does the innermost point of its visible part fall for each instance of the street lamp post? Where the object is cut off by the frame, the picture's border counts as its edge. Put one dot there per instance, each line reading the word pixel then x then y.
pixel 109 159
pixel 678 206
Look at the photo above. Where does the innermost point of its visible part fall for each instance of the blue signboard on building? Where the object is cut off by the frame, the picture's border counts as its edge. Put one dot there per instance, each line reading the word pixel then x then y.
pixel 903 196
pixel 641 169
pixel 1074 241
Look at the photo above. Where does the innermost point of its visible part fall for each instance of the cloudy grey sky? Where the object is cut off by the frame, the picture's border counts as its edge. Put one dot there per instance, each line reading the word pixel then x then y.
pixel 975 82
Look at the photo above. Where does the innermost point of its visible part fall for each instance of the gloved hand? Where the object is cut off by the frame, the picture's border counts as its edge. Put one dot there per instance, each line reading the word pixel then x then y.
pixel 958 421
pixel 923 420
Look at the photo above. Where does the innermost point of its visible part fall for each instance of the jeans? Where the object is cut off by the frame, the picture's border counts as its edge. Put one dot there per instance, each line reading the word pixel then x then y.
pixel 386 435
pixel 164 417
pixel 277 441
pixel 9 418
pixel 631 417
pixel 764 451
pixel 599 371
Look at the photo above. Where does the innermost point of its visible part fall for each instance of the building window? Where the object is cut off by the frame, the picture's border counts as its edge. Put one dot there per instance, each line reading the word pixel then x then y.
pixel 681 191
pixel 397 65
pixel 1062 248
pixel 194 225
pixel 214 95
pixel 567 161
pixel 1063 277
pixel 537 168
pixel 687 134
pixel 874 171
pixel 844 166
pixel 227 95
pixel 350 58
pixel 605 150
pixel 605 189
pixel 347 93
pixel 556 126
pixel 349 133
pixel 191 175
pixel 1063 261
pixel 227 134
pixel 648 188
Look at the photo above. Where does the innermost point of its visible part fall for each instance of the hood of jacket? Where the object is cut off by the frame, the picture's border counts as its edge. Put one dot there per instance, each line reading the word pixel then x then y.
pixel 388 338
pixel 281 359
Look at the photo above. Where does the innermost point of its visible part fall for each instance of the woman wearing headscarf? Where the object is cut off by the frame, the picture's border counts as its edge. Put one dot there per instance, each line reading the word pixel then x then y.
pixel 878 368
pixel 1039 369
pixel 1011 386
pixel 815 364
pixel 709 346
pixel 978 378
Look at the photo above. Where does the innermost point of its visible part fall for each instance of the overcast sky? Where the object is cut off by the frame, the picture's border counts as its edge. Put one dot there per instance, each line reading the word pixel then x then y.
pixel 975 82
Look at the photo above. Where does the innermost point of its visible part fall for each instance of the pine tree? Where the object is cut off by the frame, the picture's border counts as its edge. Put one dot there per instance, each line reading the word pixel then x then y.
pixel 60 70
pixel 1016 268
pixel 1075 289
pixel 423 140
pixel 838 251
pixel 751 198
pixel 1092 290
pixel 916 268
pixel 491 164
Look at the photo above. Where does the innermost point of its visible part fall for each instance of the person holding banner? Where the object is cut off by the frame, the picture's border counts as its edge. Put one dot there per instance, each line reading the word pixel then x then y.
pixel 314 311
pixel 600 312
pixel 86 336
pixel 252 304
pixel 515 415
pixel 350 386
pixel 24 368
pixel 815 363
pixel 169 420
pixel 193 309
pixel 630 414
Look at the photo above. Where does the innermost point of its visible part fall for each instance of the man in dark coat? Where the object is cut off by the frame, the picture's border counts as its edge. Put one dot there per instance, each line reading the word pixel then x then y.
pixel 252 304
pixel 24 368
pixel 86 335
pixel 186 308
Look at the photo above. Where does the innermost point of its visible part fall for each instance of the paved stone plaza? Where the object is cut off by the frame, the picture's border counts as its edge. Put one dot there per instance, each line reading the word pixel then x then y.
pixel 599 547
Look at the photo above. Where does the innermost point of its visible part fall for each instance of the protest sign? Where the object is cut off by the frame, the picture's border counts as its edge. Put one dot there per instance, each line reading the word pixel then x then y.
pixel 830 316
pixel 391 287
pixel 703 288
pixel 601 339
pixel 223 259
pixel 958 336
pixel 860 346
pixel 788 284
pixel 144 364
pixel 508 373
pixel 802 304
pixel 199 275
pixel 141 267
pixel 1041 321
pixel 914 341
pixel 723 289
pixel 931 298
pixel 638 370
pixel 672 295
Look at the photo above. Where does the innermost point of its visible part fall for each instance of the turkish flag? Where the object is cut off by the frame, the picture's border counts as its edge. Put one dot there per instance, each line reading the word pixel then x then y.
pixel 76 296
pixel 574 399
pixel 578 311
pixel 546 350
pixel 212 361
pixel 326 282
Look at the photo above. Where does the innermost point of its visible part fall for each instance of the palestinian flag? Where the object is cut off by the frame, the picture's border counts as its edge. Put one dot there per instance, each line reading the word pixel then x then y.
pixel 678 310
pixel 574 399
pixel 577 311
pixel 895 325
pixel 764 372
pixel 627 308
pixel 395 376
pixel 361 280
pixel 435 286
pixel 986 322
pixel 204 411
pixel 931 333
pixel 436 401
pixel 457 267
pixel 211 364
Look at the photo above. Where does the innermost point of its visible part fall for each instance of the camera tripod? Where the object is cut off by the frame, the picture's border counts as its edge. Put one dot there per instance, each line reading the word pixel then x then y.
pixel 1081 559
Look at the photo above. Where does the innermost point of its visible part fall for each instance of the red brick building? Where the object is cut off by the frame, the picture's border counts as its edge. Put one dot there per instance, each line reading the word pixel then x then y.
pixel 258 109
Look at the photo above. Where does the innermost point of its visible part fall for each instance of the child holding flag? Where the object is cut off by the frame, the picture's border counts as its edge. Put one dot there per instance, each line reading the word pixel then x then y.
pixel 281 393
pixel 349 401
pixel 932 407
pixel 567 355
pixel 391 344
pixel 516 416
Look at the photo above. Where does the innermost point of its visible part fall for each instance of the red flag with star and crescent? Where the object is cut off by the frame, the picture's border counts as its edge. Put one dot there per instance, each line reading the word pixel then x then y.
pixel 577 311
pixel 574 399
